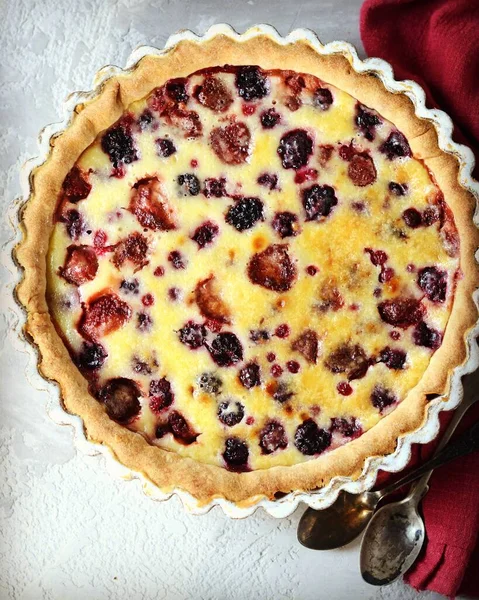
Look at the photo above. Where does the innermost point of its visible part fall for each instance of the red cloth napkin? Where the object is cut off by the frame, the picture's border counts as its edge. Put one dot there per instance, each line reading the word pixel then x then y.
pixel 436 43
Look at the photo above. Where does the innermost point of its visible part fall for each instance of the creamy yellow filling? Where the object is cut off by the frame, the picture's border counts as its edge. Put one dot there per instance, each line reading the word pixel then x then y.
pixel 335 246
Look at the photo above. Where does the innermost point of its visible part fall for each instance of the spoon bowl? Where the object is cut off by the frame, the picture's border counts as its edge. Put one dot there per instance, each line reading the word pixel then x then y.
pixel 394 539
pixel 338 524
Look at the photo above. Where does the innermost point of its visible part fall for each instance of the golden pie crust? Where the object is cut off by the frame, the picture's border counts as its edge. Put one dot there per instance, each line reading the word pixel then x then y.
pixel 169 470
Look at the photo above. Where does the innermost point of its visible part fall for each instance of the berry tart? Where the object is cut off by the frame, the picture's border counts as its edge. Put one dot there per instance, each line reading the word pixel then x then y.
pixel 248 267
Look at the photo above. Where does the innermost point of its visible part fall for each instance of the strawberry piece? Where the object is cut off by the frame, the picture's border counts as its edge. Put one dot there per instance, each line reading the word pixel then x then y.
pixel 349 359
pixel 210 302
pixel 150 205
pixel 361 170
pixel 186 120
pixel 273 268
pixel 401 312
pixel 81 265
pixel 103 315
pixel 214 94
pixel 307 344
pixel 231 143
pixel 76 186
pixel 133 249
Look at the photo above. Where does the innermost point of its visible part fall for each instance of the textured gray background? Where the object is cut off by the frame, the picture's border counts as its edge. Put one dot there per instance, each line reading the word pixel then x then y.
pixel 68 531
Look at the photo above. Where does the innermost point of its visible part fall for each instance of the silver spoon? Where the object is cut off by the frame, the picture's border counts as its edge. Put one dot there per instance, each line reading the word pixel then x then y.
pixel 343 521
pixel 395 534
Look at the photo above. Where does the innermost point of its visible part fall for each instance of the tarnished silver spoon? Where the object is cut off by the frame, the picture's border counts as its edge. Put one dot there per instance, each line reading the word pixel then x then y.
pixel 395 534
pixel 344 520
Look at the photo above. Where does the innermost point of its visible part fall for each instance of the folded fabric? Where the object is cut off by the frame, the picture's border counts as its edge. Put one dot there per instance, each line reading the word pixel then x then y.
pixel 435 42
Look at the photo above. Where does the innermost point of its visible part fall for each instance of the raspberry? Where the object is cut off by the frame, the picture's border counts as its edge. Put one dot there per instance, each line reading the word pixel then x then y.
pixel 276 371
pixel 344 388
pixel 293 366
pixel 378 257
pixel 215 188
pixel 147 300
pixel 282 331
